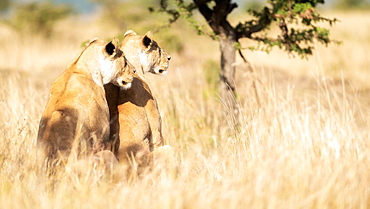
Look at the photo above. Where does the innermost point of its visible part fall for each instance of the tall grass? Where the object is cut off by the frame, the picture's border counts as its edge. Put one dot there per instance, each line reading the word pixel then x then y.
pixel 306 145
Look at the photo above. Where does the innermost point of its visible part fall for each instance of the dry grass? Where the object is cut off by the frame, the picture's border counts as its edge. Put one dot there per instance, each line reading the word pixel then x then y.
pixel 306 146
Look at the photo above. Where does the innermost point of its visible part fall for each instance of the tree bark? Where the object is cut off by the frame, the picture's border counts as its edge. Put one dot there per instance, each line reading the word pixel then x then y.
pixel 227 77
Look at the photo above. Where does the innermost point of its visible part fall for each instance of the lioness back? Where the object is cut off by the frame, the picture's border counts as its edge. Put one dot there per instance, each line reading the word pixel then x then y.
pixel 76 117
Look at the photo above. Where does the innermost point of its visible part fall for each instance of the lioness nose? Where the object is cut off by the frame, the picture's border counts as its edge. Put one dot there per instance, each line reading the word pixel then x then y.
pixel 169 58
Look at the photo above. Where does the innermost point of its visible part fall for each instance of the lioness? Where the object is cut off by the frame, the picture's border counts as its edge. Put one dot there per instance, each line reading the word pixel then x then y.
pixel 76 117
pixel 135 119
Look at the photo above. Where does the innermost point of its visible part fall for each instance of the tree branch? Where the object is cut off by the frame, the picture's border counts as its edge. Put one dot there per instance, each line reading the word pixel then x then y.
pixel 248 28
pixel 204 9
pixel 223 8
pixel 216 18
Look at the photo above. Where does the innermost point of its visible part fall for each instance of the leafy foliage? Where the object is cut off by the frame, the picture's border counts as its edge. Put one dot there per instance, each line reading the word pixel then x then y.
pixel 38 17
pixel 133 15
pixel 4 5
pixel 352 4
pixel 297 21
pixel 123 14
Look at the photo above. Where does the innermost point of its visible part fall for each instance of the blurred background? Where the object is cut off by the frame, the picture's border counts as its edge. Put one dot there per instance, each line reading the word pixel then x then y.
pixel 39 38
pixel 74 22
pixel 46 35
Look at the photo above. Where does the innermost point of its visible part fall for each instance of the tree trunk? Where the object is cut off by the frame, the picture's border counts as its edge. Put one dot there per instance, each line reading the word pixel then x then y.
pixel 227 78
pixel 217 20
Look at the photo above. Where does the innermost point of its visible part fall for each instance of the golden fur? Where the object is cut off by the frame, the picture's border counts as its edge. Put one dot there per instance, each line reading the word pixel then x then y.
pixel 76 117
pixel 135 120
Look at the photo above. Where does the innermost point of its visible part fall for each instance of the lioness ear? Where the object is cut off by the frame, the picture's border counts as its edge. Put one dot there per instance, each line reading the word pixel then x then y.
pixel 147 41
pixel 149 34
pixel 111 47
pixel 129 33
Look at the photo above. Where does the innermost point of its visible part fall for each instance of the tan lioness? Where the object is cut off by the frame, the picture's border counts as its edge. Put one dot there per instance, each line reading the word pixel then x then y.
pixel 138 130
pixel 77 115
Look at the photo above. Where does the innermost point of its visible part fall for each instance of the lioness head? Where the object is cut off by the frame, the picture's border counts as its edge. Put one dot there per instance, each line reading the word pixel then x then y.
pixel 124 76
pixel 113 65
pixel 144 53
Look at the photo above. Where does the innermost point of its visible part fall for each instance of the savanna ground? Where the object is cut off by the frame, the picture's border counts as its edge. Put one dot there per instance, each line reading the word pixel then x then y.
pixel 306 145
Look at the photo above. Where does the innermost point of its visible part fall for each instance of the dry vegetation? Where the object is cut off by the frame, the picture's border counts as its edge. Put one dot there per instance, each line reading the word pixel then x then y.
pixel 305 146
